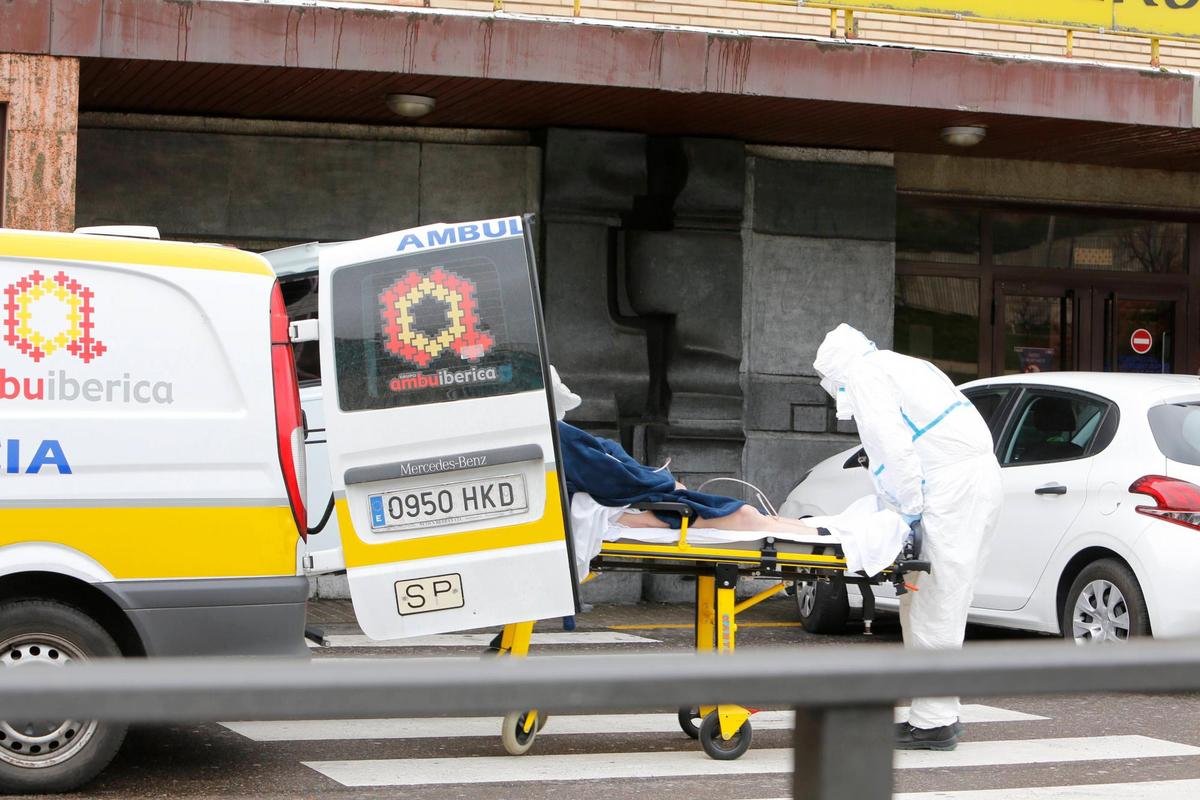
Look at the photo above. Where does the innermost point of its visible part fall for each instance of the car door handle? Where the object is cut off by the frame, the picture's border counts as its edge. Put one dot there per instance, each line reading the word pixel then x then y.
pixel 1054 488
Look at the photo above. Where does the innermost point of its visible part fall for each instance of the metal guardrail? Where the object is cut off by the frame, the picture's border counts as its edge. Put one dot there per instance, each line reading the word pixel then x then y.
pixel 850 26
pixel 844 697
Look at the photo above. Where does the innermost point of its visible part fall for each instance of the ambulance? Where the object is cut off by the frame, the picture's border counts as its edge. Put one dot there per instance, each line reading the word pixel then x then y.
pixel 152 470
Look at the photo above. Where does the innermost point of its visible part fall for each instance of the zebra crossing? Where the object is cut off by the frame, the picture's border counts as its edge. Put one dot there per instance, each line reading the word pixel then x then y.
pixel 634 765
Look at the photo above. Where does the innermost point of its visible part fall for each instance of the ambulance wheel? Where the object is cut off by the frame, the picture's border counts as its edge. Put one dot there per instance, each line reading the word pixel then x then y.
pixel 718 748
pixel 689 722
pixel 823 606
pixel 517 742
pixel 43 756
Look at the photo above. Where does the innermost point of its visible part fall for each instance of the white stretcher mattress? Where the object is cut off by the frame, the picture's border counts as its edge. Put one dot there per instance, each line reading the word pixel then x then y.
pixel 871 538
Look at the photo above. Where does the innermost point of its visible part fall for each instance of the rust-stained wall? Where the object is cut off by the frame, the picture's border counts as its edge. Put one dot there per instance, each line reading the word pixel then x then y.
pixel 42 98
pixel 913 31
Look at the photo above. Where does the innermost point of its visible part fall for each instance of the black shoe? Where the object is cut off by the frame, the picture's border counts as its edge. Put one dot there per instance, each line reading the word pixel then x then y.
pixel 910 738
pixel 960 730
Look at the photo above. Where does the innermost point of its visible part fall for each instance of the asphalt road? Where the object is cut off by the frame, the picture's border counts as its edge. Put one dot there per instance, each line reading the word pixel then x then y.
pixel 1034 748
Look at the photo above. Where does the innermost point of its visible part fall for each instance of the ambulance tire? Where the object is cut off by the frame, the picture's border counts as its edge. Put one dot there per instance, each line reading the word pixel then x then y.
pixel 31 629
pixel 718 748
pixel 823 606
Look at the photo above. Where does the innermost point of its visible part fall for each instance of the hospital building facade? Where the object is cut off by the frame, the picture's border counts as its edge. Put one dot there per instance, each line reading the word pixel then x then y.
pixel 717 183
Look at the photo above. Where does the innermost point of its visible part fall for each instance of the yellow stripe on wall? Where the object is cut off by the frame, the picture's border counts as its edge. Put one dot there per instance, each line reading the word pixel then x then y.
pixel 547 529
pixel 79 247
pixel 182 542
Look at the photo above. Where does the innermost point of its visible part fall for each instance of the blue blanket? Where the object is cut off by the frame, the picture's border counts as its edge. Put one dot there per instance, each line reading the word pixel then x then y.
pixel 603 469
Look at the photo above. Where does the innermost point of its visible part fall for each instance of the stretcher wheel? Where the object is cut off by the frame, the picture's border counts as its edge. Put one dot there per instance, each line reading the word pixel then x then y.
pixel 516 741
pixel 718 748
pixel 689 722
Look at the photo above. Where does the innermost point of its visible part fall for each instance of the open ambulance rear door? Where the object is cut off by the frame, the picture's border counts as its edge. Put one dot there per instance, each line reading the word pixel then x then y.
pixel 443 445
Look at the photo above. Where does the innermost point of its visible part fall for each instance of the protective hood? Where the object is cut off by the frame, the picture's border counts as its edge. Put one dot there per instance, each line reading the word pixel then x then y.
pixel 564 398
pixel 842 347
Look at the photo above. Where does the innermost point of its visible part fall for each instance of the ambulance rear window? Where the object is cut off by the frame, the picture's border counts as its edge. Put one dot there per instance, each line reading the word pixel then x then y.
pixel 434 327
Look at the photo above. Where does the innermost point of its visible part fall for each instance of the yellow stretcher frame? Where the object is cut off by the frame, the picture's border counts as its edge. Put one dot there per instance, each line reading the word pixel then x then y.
pixel 725 731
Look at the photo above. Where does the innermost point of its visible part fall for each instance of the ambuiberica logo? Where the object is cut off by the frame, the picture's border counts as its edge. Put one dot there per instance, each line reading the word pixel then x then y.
pixel 54 354
pixel 429 315
pixel 30 323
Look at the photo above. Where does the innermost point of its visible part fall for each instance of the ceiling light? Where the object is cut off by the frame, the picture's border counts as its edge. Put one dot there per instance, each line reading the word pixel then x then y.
pixel 964 135
pixel 410 105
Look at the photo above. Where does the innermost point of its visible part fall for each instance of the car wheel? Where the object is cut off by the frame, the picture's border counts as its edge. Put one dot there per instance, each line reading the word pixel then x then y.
pixel 1105 604
pixel 823 606
pixel 41 756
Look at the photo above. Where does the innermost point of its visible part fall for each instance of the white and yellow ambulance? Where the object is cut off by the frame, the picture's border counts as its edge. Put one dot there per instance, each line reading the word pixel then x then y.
pixel 151 470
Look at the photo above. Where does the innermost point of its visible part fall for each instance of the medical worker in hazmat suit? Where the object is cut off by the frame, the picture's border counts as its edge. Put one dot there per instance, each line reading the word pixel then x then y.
pixel 932 460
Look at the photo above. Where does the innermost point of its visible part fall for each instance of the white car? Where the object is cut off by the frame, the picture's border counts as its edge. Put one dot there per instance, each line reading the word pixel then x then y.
pixel 1100 529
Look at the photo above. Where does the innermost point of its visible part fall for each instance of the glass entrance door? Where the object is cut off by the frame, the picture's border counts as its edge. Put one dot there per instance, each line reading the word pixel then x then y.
pixel 1036 329
pixel 1141 334
pixel 1053 327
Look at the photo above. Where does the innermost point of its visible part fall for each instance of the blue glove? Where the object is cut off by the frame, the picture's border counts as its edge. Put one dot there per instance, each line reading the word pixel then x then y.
pixel 910 519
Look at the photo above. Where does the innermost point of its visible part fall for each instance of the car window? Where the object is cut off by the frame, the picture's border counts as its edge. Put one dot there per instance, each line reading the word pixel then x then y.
pixel 987 402
pixel 1053 427
pixel 1176 429
pixel 300 296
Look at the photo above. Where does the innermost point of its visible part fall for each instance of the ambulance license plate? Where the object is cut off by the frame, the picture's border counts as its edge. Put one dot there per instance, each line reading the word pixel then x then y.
pixel 438 593
pixel 450 502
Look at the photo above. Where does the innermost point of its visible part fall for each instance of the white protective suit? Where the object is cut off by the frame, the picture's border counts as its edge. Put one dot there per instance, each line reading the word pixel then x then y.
pixel 931 454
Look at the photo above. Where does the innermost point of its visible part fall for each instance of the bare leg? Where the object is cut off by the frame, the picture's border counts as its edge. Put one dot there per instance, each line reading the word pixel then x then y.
pixel 641 520
pixel 748 518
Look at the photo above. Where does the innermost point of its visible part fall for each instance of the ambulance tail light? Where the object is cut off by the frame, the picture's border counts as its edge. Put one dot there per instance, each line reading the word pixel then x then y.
pixel 289 419
pixel 1174 500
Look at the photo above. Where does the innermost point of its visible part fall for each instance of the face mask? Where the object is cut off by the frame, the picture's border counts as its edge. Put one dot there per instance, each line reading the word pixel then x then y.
pixel 843 411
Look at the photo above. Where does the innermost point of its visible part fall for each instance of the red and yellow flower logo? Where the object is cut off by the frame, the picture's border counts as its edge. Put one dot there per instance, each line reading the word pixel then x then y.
pixel 461 333
pixel 44 336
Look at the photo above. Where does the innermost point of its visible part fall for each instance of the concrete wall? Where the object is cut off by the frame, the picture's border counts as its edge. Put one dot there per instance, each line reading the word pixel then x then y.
pixel 1010 180
pixel 688 283
pixel 39 98
pixel 820 249
pixel 262 190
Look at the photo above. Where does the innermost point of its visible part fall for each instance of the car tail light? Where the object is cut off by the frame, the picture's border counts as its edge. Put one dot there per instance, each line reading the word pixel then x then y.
pixel 289 419
pixel 1175 500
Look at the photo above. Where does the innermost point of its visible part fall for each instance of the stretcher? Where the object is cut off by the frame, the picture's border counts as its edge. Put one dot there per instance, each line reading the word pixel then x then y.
pixel 724 731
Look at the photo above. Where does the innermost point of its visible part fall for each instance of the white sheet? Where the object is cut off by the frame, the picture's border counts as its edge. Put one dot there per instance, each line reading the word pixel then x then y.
pixel 871 538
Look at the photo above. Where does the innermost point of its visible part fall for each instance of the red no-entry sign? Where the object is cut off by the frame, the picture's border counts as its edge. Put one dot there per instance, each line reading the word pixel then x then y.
pixel 1141 341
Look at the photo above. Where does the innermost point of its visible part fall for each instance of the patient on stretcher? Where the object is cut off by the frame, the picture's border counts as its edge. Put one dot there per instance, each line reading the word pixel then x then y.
pixel 611 477
pixel 602 469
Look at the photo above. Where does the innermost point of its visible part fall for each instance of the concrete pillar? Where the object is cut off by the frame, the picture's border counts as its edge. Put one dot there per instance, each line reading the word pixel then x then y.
pixel 39 100
pixel 590 179
pixel 820 244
